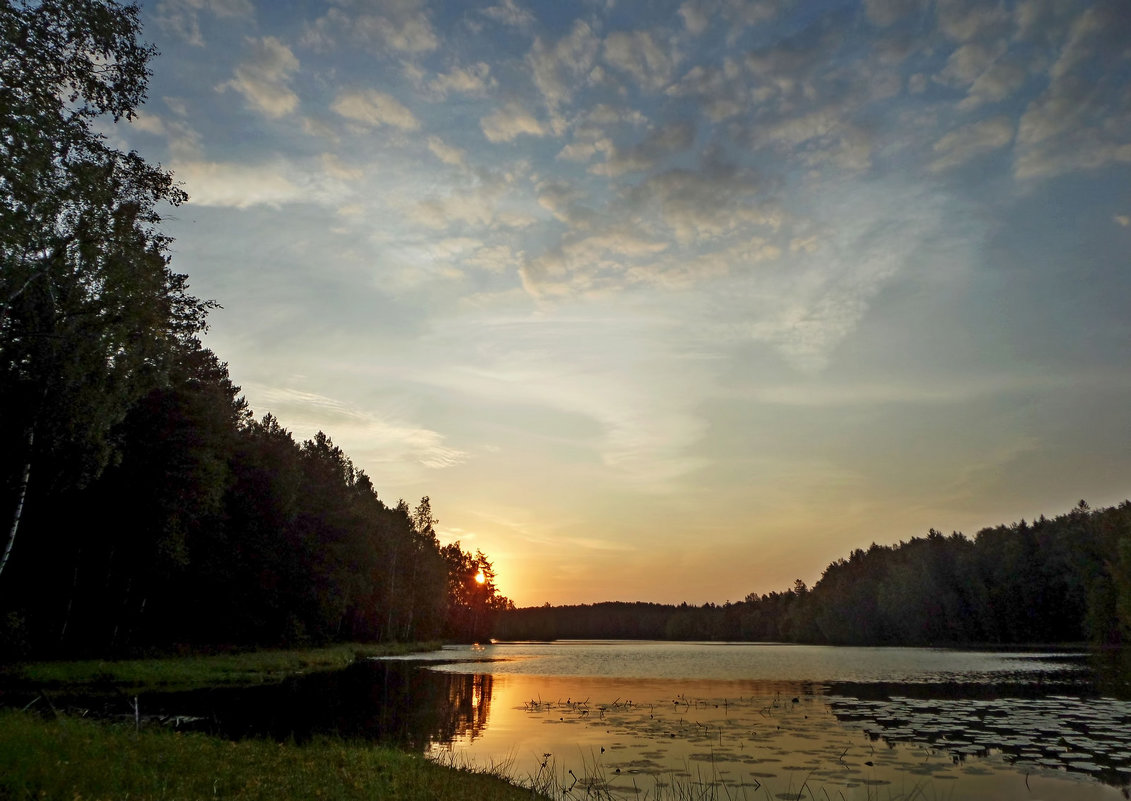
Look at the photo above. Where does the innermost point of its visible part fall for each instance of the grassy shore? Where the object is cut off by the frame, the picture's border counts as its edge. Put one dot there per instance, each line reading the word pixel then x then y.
pixel 68 759
pixel 193 671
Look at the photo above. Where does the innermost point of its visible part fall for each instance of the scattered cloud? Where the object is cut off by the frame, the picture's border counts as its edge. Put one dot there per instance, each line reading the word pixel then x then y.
pixel 403 26
pixel 510 122
pixel 238 185
pixel 182 17
pixel 637 53
pixel 559 68
pixel 263 79
pixel 697 15
pixel 1082 121
pixel 720 91
pixel 661 142
pixel 447 153
pixel 588 262
pixel 970 141
pixel 708 203
pixel 184 141
pixel 964 20
pixel 888 12
pixel 510 13
pixel 373 108
pixel 471 80
pixel 370 437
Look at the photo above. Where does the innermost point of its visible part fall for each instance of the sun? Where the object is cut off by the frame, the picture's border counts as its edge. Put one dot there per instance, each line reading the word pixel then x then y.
pixel 480 578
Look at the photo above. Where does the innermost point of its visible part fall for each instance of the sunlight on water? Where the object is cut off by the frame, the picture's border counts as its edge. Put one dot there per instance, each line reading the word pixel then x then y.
pixel 781 722
pixel 681 660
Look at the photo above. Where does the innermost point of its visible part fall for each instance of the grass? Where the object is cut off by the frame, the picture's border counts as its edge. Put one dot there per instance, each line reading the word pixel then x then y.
pixel 68 759
pixel 189 672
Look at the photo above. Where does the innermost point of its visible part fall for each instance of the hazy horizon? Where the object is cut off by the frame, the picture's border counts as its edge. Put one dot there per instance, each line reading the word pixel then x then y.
pixel 669 301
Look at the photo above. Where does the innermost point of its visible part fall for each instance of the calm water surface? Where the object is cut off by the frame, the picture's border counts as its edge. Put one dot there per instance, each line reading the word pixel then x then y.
pixel 650 719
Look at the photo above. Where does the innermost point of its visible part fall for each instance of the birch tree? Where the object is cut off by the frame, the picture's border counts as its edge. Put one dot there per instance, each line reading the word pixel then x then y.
pixel 88 303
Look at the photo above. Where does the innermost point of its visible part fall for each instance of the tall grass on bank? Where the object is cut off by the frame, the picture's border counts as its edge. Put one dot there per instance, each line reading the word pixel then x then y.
pixel 187 672
pixel 71 758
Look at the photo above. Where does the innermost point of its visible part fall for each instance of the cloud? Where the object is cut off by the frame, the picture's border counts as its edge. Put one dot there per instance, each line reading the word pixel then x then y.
pixel 566 202
pixel 509 122
pixel 1077 48
pixel 661 142
pixel 471 80
pixel 964 20
pixel 585 262
pixel 374 108
pixel 682 271
pixel 559 68
pixel 263 78
pixel 985 70
pixel 638 54
pixel 978 138
pixel 184 141
pixel 721 91
pixel 335 167
pixel 994 85
pixel 806 305
pixel 474 206
pixel 706 204
pixel 820 136
pixel 888 12
pixel 370 437
pixel 1082 121
pixel 447 153
pixel 697 15
pixel 239 185
pixel 1122 220
pixel 182 17
pixel 810 99
pixel 790 67
pixel 969 61
pixel 400 25
pixel 607 367
pixel 510 13
pixel 593 131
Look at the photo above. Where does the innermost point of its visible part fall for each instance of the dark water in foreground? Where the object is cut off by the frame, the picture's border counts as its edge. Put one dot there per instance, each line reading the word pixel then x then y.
pixel 645 719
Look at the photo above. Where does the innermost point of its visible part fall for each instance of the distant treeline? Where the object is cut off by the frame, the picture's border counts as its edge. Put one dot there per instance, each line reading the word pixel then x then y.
pixel 1062 580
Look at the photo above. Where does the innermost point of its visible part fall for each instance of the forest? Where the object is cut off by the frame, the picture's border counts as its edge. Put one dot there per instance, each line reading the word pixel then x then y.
pixel 142 505
pixel 1062 580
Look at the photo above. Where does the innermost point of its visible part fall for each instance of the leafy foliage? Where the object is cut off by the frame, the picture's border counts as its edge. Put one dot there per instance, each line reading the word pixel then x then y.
pixel 89 310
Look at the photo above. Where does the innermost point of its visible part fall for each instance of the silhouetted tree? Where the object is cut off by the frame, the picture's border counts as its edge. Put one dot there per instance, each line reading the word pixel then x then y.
pixel 88 304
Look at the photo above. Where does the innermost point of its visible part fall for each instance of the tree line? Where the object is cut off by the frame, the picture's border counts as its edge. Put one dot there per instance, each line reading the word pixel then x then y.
pixel 1067 579
pixel 142 504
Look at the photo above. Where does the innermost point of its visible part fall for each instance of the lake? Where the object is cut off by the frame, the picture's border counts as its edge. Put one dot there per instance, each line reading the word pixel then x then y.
pixel 659 719
pixel 663 720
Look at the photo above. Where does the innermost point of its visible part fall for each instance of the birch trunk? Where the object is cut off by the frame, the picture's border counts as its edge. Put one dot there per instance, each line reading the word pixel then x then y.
pixel 21 494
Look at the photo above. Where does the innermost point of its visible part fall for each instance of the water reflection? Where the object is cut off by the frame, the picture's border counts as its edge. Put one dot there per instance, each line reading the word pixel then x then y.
pixel 618 737
pixel 388 702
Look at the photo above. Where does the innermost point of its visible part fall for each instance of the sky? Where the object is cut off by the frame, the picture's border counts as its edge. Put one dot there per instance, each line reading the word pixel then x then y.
pixel 667 301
